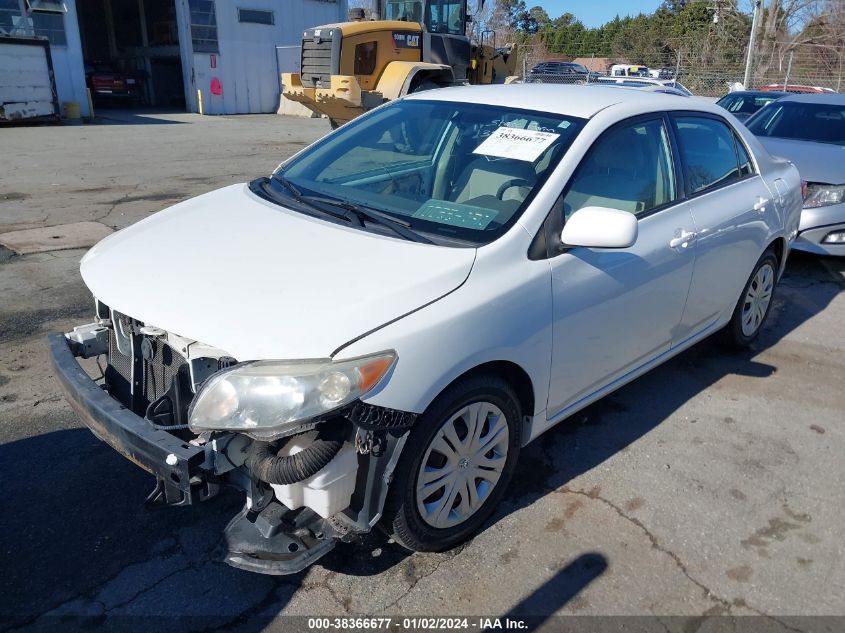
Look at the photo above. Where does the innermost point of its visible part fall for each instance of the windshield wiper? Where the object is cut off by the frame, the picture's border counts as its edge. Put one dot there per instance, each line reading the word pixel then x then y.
pixel 399 227
pixel 306 200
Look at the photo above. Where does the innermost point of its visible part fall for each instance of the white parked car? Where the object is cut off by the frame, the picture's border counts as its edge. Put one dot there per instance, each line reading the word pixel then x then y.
pixel 372 333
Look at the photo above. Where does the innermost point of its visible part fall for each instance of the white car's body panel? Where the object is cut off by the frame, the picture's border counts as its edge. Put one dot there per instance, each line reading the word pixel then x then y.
pixel 269 283
pixel 260 281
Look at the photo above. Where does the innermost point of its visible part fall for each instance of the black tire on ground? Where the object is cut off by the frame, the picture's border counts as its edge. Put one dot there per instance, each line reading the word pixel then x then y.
pixel 733 333
pixel 402 519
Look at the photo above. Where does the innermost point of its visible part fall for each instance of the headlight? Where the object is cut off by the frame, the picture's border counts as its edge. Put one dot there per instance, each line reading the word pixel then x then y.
pixel 834 237
pixel 268 398
pixel 822 195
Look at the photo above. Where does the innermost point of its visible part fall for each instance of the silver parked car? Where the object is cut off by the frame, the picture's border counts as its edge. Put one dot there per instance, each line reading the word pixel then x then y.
pixel 809 130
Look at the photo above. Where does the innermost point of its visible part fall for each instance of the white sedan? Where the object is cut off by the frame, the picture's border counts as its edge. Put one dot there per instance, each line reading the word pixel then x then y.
pixel 371 334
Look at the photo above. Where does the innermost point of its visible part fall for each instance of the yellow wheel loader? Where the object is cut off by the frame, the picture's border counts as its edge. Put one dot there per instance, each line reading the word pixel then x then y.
pixel 351 67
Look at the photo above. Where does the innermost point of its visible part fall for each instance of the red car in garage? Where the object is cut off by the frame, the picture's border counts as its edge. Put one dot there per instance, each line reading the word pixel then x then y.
pixel 106 83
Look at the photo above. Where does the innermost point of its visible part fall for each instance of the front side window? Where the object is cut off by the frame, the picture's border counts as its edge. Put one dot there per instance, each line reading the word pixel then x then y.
pixel 461 171
pixel 445 17
pixel 628 168
pixel 404 10
pixel 203 26
pixel 707 147
pixel 817 122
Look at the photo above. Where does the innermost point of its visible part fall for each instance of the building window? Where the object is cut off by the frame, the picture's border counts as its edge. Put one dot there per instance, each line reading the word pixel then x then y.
pixel 203 26
pixel 255 16
pixel 40 21
pixel 46 6
pixel 51 26
pixel 11 19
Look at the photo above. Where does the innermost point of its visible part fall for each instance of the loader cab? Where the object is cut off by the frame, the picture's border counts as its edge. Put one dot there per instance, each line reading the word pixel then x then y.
pixel 444 29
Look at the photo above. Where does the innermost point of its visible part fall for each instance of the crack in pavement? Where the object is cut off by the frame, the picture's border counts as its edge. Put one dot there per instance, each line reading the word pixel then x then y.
pixel 708 593
pixel 445 559
pixel 655 543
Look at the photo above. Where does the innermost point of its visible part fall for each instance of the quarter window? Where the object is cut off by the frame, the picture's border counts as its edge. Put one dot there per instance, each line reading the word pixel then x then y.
pixel 629 168
pixel 746 167
pixel 707 147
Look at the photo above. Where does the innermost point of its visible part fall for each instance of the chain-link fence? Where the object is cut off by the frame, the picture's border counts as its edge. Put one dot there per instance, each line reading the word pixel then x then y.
pixel 795 66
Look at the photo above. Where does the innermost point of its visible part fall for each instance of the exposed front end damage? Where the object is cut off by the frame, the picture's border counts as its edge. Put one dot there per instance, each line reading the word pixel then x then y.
pixel 322 480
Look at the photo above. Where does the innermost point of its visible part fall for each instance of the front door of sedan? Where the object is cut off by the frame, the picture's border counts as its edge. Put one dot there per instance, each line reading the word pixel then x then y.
pixel 616 310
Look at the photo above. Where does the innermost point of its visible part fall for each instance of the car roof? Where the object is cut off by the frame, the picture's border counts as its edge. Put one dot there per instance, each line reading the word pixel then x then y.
pixel 756 93
pixel 567 100
pixel 821 97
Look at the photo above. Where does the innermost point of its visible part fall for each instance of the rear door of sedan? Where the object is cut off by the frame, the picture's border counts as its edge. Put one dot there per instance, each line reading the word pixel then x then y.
pixel 616 310
pixel 731 206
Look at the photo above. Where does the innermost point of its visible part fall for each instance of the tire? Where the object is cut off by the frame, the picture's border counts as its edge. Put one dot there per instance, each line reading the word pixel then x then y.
pixel 754 303
pixel 404 507
pixel 425 84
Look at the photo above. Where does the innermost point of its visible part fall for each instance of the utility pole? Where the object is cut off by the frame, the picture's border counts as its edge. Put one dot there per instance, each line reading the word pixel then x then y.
pixel 750 58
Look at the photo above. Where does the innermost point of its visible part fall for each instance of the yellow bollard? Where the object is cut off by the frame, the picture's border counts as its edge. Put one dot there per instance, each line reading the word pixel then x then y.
pixel 199 100
pixel 90 104
pixel 71 110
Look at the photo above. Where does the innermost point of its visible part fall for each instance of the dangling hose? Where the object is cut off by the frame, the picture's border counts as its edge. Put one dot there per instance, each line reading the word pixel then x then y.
pixel 265 464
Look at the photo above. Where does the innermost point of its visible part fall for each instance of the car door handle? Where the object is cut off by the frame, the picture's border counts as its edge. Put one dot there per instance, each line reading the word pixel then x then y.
pixel 682 238
pixel 761 203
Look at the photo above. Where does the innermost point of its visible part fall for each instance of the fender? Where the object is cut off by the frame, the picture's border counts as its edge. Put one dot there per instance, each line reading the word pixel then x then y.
pixel 396 79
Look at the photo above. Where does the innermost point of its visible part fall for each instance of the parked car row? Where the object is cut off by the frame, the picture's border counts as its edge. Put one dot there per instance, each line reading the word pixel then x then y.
pixel 420 294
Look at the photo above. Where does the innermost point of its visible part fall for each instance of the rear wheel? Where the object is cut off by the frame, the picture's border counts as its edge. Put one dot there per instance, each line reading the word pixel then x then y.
pixel 422 85
pixel 455 466
pixel 753 306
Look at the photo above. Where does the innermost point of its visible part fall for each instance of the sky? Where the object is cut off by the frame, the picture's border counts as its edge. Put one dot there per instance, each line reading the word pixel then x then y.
pixel 595 12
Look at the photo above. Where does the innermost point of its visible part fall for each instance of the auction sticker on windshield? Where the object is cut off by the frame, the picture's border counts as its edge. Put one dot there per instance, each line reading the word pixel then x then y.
pixel 510 142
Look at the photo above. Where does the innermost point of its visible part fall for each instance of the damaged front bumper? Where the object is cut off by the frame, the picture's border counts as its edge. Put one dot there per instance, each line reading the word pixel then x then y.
pixel 266 536
pixel 174 462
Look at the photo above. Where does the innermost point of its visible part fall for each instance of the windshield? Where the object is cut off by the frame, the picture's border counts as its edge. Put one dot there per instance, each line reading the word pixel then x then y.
pixel 455 170
pixel 817 122
pixel 745 103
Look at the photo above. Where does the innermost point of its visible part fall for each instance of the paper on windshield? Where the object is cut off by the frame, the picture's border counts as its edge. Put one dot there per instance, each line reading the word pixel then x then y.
pixel 510 142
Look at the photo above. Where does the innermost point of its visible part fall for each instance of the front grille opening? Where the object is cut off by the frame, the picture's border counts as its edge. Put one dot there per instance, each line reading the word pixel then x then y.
pixel 152 381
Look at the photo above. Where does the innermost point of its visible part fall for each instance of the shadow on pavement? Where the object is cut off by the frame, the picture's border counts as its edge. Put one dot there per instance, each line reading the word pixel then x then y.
pixel 104 116
pixel 76 536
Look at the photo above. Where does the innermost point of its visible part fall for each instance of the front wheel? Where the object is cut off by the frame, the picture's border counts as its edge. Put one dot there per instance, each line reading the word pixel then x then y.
pixel 455 466
pixel 753 306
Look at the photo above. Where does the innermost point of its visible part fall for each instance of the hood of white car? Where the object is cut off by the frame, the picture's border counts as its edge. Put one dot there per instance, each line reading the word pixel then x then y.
pixel 260 281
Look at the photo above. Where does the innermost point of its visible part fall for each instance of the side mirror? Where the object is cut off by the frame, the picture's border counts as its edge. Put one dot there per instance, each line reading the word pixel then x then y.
pixel 598 227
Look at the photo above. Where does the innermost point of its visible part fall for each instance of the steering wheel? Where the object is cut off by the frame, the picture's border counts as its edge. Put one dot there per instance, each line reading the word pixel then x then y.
pixel 513 182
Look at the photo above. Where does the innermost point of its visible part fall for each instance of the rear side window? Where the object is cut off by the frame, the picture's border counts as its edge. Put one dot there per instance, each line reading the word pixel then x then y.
pixel 628 168
pixel 365 58
pixel 707 148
